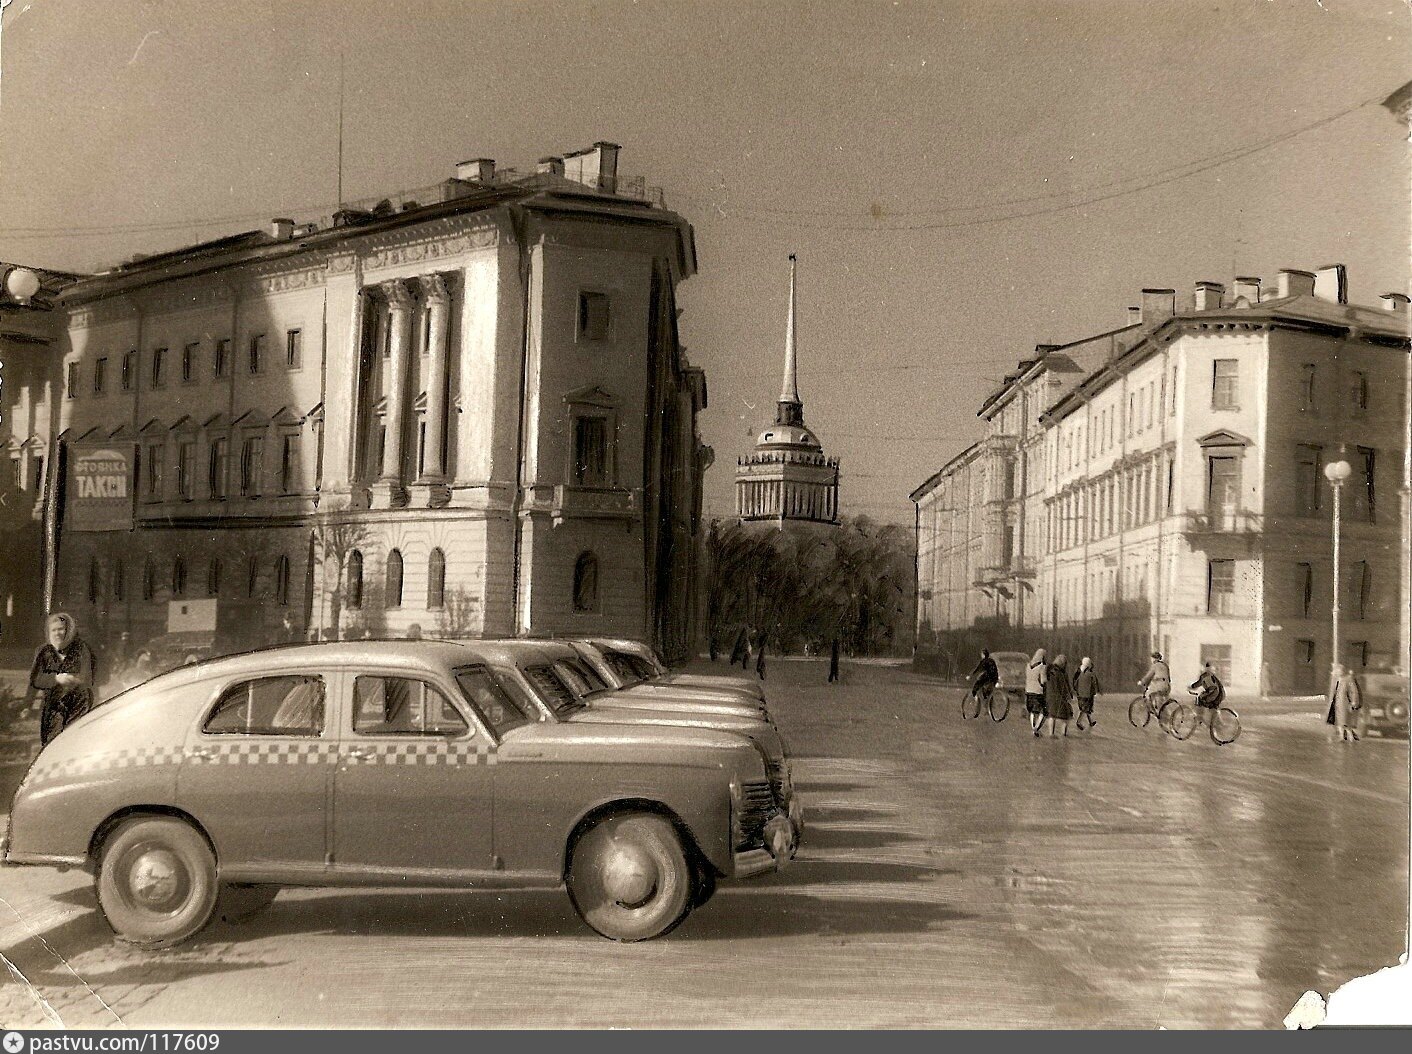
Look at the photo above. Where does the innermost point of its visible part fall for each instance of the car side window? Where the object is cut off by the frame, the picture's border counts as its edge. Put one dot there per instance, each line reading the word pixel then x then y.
pixel 496 708
pixel 269 706
pixel 403 706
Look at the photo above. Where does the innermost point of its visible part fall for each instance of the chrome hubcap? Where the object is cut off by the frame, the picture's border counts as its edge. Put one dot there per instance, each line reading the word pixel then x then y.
pixel 156 879
pixel 629 875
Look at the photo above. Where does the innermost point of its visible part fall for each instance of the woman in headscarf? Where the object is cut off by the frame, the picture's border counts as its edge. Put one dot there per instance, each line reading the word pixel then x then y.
pixel 1034 689
pixel 1058 696
pixel 63 671
pixel 1086 687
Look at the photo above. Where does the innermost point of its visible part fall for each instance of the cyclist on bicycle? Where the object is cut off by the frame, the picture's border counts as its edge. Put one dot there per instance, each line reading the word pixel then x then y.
pixel 985 676
pixel 1210 694
pixel 1156 683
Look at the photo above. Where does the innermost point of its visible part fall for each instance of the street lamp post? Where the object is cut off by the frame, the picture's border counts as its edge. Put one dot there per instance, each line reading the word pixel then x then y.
pixel 1336 472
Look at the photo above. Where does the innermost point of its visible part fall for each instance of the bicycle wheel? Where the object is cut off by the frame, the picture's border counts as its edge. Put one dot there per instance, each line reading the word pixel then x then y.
pixel 1139 713
pixel 970 706
pixel 1179 721
pixel 1225 726
pixel 999 705
pixel 1169 709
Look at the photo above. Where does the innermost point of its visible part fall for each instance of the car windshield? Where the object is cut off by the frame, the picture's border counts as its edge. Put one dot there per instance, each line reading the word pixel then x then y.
pixel 641 669
pixel 553 689
pixel 626 671
pixel 585 672
pixel 497 708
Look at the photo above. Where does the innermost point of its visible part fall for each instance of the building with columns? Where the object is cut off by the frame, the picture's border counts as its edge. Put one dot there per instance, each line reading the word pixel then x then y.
pixel 1161 486
pixel 788 477
pixel 463 411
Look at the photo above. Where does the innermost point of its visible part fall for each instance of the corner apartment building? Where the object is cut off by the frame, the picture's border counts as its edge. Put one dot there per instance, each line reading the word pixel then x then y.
pixel 465 410
pixel 1166 490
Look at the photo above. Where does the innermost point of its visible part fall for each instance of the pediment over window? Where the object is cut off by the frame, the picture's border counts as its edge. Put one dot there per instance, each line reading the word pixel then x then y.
pixel 419 404
pixel 316 412
pixel 152 427
pixel 217 420
pixel 285 416
pixel 123 431
pixel 252 419
pixel 1221 437
pixel 185 424
pixel 34 443
pixel 592 395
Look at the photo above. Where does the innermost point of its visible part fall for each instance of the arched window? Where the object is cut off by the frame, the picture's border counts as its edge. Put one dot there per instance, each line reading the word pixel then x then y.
pixel 213 578
pixel 282 580
pixel 149 579
pixel 355 579
pixel 119 586
pixel 178 577
pixel 393 591
pixel 436 580
pixel 94 585
pixel 586 582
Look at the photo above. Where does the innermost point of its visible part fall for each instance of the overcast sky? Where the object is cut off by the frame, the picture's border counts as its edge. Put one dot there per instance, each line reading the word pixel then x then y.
pixel 960 181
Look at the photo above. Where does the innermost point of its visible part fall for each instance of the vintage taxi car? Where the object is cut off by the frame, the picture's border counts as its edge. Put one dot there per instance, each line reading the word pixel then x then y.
pixel 409 763
pixel 634 659
pixel 593 663
pixel 1385 699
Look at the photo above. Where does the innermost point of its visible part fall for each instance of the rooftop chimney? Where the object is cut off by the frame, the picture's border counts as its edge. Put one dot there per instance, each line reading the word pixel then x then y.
pixel 1134 315
pixel 1158 304
pixel 281 230
pixel 1247 289
pixel 476 170
pixel 1394 301
pixel 550 166
pixel 595 167
pixel 1294 283
pixel 1209 296
pixel 1331 283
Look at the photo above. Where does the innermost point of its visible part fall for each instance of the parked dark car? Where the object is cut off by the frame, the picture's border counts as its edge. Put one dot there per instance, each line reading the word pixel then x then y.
pixel 1385 698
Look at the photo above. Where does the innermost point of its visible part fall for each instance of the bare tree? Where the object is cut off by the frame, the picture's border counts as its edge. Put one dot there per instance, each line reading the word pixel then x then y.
pixel 457 615
pixel 334 542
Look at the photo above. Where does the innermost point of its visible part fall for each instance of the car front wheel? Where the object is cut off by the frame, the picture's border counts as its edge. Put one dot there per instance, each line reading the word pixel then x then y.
pixel 629 877
pixel 156 881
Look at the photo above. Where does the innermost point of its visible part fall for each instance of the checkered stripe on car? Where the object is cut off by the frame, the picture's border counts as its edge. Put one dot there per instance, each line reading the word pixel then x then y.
pixel 128 758
pixel 258 751
pixel 474 752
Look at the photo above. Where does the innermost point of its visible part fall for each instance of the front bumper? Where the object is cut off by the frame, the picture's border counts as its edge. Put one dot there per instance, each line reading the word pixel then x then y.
pixel 783 832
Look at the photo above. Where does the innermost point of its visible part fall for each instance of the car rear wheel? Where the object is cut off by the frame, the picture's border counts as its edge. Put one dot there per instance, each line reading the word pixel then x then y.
pixel 629 877
pixel 156 881
pixel 239 901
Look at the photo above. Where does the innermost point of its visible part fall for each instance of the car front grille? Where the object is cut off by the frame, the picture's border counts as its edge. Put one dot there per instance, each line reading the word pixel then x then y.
pixel 776 770
pixel 757 806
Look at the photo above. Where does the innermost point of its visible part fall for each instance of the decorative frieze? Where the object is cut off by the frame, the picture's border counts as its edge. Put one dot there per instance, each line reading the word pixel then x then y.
pixel 430 249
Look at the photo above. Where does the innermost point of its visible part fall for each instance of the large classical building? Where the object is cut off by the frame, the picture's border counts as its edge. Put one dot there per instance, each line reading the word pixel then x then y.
pixel 463 411
pixel 1161 486
pixel 788 477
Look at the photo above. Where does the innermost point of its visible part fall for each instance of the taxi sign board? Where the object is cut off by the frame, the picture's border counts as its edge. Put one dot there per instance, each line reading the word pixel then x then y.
pixel 98 494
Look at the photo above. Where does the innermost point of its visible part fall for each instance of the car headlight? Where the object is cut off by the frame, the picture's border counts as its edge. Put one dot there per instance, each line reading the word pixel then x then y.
pixel 1398 710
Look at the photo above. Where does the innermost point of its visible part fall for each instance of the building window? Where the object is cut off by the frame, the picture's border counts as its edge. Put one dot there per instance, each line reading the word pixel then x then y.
pixel 257 353
pixel 129 368
pixel 586 583
pixel 1223 482
pixel 71 381
pixel 252 577
pixel 282 580
pixel 1220 587
pixel 149 579
pixel 593 315
pixel 436 580
pixel 1307 479
pixel 1308 386
pixel 1360 589
pixel 1304 582
pixel 1172 402
pixel 119 585
pixel 100 376
pixel 188 362
pixel 154 471
pixel 1358 390
pixel 178 577
pixel 355 580
pixel 289 464
pixel 1225 377
pixel 591 451
pixel 186 459
pixel 393 588
pixel 1219 656
pixel 213 578
pixel 1364 476
pixel 94 587
pixel 294 349
pixel 252 466
pixel 37 479
pixel 1356 655
pixel 221 359
pixel 216 469
pixel 159 364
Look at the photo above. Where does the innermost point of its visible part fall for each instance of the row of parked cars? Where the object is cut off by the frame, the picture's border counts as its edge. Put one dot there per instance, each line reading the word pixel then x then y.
pixel 578 764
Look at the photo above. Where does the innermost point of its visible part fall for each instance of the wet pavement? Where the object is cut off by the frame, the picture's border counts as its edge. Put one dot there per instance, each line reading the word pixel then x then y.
pixel 953 873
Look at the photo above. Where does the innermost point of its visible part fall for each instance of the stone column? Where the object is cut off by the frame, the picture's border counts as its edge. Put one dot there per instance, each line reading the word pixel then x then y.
pixel 433 490
pixel 388 491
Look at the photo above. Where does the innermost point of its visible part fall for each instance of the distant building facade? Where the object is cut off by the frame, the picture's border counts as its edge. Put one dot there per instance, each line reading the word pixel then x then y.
pixel 1161 487
pixel 787 477
pixel 465 415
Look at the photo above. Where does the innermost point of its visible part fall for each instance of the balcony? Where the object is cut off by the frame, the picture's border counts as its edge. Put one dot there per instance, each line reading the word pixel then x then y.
pixel 1219 519
pixel 587 503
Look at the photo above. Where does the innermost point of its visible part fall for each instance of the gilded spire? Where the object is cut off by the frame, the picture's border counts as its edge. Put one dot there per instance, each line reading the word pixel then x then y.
pixel 789 391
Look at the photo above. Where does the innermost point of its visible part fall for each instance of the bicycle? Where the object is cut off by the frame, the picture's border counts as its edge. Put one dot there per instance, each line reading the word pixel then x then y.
pixel 1224 725
pixel 997 704
pixel 1144 708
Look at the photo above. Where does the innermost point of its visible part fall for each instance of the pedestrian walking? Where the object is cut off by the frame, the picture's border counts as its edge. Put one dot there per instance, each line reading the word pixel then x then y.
pixel 1058 696
pixel 740 648
pixel 760 655
pixel 1345 701
pixel 711 648
pixel 833 661
pixel 1034 689
pixel 64 670
pixel 1086 689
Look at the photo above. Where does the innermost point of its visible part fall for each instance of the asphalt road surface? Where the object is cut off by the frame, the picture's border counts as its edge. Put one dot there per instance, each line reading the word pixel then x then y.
pixel 953 874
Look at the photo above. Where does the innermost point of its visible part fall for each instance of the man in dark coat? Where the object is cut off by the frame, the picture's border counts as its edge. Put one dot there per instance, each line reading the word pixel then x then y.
pixel 1058 696
pixel 760 655
pixel 741 648
pixel 64 671
pixel 833 661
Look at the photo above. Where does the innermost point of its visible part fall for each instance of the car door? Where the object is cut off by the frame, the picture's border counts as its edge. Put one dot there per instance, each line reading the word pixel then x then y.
pixel 412 786
pixel 256 773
